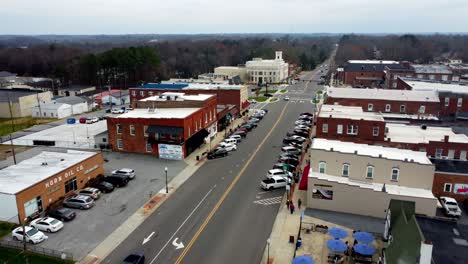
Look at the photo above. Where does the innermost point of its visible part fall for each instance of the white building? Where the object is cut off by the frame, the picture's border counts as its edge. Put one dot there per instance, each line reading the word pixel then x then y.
pixel 228 72
pixel 116 98
pixel 267 71
pixel 61 107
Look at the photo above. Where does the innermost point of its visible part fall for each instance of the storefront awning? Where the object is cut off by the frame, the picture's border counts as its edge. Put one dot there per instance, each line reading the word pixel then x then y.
pixel 171 130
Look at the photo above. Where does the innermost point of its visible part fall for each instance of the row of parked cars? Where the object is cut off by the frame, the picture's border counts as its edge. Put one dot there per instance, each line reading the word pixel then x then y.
pixel 284 171
pixel 230 144
pixel 83 200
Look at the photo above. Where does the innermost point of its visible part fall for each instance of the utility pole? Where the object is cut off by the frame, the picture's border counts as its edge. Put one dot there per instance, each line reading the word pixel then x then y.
pixel 12 130
pixel 38 103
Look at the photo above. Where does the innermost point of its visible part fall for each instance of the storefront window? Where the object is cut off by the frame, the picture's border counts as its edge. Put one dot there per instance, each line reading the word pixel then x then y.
pixel 71 185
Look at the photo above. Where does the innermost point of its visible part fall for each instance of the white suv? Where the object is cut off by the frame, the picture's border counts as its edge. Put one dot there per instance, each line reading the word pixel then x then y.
pixel 228 146
pixel 278 173
pixel 33 235
pixel 130 173
pixel 450 206
pixel 273 183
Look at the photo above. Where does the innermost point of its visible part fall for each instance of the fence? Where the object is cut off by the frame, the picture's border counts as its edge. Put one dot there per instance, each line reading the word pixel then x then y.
pixel 37 249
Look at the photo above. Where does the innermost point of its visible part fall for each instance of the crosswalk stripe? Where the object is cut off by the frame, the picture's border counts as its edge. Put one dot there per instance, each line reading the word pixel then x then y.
pixel 269 201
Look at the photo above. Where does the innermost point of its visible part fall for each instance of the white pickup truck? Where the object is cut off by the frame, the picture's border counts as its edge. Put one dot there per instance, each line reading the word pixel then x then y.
pixel 273 182
pixel 450 206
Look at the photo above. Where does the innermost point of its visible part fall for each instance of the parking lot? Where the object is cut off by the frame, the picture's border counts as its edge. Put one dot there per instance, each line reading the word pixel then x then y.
pixel 92 226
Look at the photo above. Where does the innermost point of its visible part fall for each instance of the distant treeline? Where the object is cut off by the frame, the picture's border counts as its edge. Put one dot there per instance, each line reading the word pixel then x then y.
pixel 413 48
pixel 184 58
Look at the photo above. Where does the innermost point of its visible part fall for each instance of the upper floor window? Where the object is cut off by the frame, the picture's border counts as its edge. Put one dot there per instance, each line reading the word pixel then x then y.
pixel 395 174
pixel 134 93
pixel 339 129
pixel 370 172
pixel 438 153
pixel 447 101
pixel 142 93
pixel 150 93
pixel 375 131
pixel 388 108
pixel 422 109
pixel 370 107
pixel 352 130
pixel 420 76
pixel 322 167
pixel 145 131
pixel 459 102
pixel 119 128
pixel 402 108
pixel 325 128
pixel 345 171
pixel 132 130
pixel 431 77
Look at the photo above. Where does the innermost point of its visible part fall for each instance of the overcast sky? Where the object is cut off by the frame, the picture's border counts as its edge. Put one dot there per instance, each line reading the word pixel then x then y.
pixel 235 16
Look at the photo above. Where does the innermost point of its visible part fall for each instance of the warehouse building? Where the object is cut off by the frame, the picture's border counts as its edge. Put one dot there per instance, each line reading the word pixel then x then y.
pixel 28 188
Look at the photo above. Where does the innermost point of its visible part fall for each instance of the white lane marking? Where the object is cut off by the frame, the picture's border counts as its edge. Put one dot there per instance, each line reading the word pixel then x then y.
pixel 270 201
pixel 146 239
pixel 177 245
pixel 185 221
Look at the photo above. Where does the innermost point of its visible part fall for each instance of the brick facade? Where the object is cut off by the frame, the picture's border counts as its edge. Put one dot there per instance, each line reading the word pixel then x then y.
pixel 364 79
pixel 52 189
pixel 365 131
pixel 443 178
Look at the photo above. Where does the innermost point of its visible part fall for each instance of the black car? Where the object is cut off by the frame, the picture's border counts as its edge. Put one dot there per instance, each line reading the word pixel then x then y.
pixel 103 186
pixel 287 160
pixel 307 114
pixel 268 95
pixel 307 118
pixel 289 156
pixel 240 133
pixel 62 214
pixel 117 180
pixel 298 133
pixel 295 141
pixel 248 126
pixel 135 258
pixel 217 153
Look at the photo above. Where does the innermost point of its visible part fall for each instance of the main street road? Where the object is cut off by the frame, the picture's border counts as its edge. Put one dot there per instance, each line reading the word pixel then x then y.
pixel 220 214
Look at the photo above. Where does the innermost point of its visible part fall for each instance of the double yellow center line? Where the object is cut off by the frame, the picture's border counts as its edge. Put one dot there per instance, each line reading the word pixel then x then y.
pixel 228 190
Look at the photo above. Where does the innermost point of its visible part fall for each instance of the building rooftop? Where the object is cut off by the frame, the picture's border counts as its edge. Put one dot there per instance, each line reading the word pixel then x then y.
pixel 167 96
pixel 204 86
pixel 51 106
pixel 370 150
pixel 160 113
pixel 4 74
pixel 166 86
pixel 76 87
pixel 421 134
pixel 383 94
pixel 418 85
pixel 14 94
pixel 71 100
pixel 348 112
pixel 449 239
pixel 368 65
pixel 431 68
pixel 29 172
pixel 390 188
pixel 373 62
pixel 451 166
pixel 228 67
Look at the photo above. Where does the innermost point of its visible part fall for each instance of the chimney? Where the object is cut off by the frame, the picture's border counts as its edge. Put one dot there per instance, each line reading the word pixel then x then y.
pixel 406 159
pixel 446 139
pixel 355 152
pixel 380 155
pixel 331 149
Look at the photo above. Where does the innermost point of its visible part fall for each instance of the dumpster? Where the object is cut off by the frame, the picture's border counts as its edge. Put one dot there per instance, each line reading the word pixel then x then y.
pixel 71 121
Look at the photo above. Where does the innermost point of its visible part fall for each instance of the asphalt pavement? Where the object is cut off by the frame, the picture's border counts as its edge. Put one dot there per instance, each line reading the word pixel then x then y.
pixel 221 215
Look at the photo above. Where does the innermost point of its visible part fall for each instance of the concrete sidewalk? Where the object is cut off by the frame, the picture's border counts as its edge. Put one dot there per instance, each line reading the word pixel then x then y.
pixel 122 232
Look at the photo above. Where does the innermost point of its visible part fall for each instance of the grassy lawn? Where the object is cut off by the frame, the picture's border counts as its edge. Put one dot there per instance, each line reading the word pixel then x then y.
pixel 283 90
pixel 270 91
pixel 5 228
pixel 21 123
pixel 259 98
pixel 274 99
pixel 14 256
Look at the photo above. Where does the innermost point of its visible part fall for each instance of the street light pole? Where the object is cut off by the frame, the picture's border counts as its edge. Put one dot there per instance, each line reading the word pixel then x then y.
pixel 268 250
pixel 167 189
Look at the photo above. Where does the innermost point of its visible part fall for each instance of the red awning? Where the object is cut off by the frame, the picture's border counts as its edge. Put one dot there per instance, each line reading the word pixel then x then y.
pixel 245 104
pixel 304 178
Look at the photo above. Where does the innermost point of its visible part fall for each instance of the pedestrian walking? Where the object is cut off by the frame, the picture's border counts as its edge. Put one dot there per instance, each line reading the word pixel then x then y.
pixel 299 203
pixel 287 203
pixel 291 207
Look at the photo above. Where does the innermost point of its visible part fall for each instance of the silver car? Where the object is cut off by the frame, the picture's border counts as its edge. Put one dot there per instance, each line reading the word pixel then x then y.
pixel 79 201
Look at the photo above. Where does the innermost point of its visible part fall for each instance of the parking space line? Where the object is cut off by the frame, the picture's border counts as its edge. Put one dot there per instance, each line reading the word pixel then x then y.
pixel 186 219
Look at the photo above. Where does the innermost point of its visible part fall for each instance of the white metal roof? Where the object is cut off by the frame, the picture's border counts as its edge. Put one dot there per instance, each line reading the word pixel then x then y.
pixel 431 68
pixel 194 86
pixel 371 150
pixel 160 113
pixel 416 134
pixel 390 188
pixel 18 177
pixel 373 61
pixel 348 112
pixel 180 97
pixel 438 87
pixel 384 94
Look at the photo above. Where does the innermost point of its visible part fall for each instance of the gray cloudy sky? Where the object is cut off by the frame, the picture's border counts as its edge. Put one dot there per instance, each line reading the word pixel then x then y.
pixel 235 16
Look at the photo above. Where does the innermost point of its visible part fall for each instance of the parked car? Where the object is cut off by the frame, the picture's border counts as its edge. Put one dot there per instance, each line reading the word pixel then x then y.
pixel 79 201
pixel 135 258
pixel 288 160
pixel 307 118
pixel 268 95
pixel 103 186
pixel 32 235
pixel 230 140
pixel 303 122
pixel 91 120
pixel 278 172
pixel 252 123
pixel 242 129
pixel 217 153
pixel 117 180
pixel 238 138
pixel 298 133
pixel 128 109
pixel 286 98
pixel 303 127
pixel 298 138
pixel 102 117
pixel 248 126
pixel 258 116
pixel 48 224
pixel 450 206
pixel 130 173
pixel 288 155
pixel 63 214
pixel 240 133
pixel 289 149
pixel 117 111
pixel 273 183
pixel 290 167
pixel 227 146
pixel 295 144
pixel 83 120
pixel 253 119
pixel 91 192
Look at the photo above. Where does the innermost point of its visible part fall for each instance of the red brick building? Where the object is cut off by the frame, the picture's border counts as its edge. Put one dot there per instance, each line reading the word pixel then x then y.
pixel 226 94
pixel 453 96
pixel 451 179
pixel 420 103
pixel 366 73
pixel 348 123
pixel 423 72
pixel 166 130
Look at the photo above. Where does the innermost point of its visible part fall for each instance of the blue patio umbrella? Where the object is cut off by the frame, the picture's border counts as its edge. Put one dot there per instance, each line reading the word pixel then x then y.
pixel 336 245
pixel 363 237
pixel 364 249
pixel 337 232
pixel 303 260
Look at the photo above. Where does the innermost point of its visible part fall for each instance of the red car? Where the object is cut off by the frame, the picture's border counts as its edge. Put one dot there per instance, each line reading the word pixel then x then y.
pixel 242 129
pixel 83 120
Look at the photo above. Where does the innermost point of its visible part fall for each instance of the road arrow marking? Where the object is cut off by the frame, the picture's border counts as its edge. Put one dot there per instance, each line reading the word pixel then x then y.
pixel 177 245
pixel 147 238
